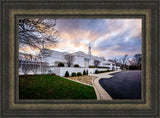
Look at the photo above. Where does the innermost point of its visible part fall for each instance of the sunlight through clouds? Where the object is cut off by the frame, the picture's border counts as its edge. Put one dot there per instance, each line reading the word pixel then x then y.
pixel 108 37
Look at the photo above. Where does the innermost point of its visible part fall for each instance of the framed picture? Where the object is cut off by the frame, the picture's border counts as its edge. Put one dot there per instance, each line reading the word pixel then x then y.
pixel 81 52
pixel 79 58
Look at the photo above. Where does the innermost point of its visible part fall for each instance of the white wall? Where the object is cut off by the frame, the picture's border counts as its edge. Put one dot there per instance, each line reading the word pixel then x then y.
pixel 79 61
pixel 91 62
pixel 60 71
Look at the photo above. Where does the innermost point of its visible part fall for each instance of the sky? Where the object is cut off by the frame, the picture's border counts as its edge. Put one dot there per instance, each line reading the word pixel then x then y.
pixel 109 38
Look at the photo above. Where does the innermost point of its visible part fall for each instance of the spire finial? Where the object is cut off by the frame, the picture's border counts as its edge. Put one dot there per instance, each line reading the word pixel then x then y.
pixel 89 48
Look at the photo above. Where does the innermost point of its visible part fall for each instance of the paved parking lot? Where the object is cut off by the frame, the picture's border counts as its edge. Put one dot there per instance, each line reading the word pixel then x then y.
pixel 123 85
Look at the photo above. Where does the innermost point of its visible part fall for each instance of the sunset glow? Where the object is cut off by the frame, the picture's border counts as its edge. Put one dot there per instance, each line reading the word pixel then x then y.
pixel 108 37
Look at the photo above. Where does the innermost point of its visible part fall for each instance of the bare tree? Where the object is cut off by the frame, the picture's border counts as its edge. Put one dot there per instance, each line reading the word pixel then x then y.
pixel 35 66
pixel 20 63
pixel 37 33
pixel 26 66
pixel 137 58
pixel 115 61
pixel 124 60
pixel 131 62
pixel 45 67
pixel 45 52
pixel 33 31
pixel 136 61
pixel 70 59
pixel 96 63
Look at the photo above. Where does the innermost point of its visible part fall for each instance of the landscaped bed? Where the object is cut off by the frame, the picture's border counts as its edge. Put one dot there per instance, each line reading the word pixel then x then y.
pixel 84 79
pixel 52 87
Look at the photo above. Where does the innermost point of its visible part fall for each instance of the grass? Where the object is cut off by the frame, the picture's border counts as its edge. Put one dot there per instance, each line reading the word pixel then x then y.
pixel 52 87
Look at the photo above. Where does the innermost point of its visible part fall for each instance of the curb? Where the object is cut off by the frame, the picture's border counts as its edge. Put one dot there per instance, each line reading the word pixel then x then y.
pixel 100 92
pixel 95 89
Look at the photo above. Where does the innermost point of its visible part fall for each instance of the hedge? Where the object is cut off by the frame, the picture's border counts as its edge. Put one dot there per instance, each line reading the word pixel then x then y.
pixel 87 72
pixel 74 74
pixel 79 74
pixel 96 72
pixel 60 64
pixel 91 66
pixel 76 65
pixel 84 72
pixel 67 74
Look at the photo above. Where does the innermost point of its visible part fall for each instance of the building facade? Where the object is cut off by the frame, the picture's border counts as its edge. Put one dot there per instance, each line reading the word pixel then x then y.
pixel 81 58
pixel 85 61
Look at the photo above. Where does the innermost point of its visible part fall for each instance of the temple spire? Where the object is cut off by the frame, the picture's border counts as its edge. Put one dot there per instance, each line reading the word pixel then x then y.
pixel 89 49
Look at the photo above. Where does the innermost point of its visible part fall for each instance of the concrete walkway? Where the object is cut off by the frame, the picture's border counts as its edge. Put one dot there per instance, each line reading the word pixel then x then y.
pixel 100 92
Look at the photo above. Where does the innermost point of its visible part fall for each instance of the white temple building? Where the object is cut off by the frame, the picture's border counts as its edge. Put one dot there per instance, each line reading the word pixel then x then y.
pixel 85 62
pixel 81 58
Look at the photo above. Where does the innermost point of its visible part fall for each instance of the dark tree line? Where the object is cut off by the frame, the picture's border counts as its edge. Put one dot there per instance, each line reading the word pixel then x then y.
pixel 125 63
pixel 135 63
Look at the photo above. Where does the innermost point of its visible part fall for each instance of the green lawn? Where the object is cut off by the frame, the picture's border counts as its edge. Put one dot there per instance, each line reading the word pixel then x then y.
pixel 52 87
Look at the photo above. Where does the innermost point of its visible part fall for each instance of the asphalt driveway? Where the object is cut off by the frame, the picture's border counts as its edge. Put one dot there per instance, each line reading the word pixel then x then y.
pixel 123 85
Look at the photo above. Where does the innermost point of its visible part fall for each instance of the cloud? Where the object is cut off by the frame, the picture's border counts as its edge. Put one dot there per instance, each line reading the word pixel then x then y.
pixel 109 37
pixel 124 36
